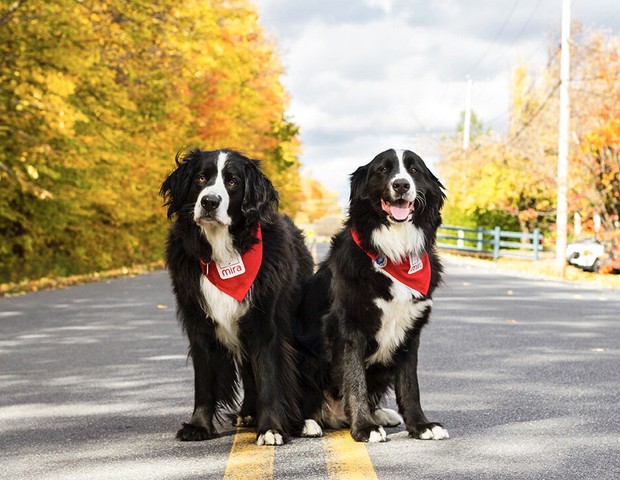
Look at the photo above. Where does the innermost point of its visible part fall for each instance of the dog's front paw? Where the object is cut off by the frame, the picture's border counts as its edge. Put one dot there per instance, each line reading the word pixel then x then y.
pixel 194 433
pixel 372 434
pixel 270 437
pixel 429 431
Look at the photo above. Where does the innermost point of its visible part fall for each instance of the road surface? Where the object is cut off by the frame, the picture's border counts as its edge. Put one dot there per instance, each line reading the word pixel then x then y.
pixel 523 372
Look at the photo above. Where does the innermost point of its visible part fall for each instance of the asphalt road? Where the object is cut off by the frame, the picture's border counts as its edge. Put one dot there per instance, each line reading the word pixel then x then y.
pixel 524 373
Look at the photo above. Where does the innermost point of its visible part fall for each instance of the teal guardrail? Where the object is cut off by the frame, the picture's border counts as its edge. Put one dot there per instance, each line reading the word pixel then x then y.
pixel 497 242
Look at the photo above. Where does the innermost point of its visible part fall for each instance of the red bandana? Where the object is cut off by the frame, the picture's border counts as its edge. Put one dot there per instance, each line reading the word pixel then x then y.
pixel 236 278
pixel 413 272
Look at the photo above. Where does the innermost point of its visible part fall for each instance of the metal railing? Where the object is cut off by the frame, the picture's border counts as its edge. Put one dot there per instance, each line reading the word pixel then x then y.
pixel 497 242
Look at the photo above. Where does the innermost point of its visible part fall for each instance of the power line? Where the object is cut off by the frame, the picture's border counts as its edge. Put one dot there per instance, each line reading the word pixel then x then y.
pixel 518 35
pixel 516 135
pixel 527 22
pixel 501 30
pixel 514 39
pixel 604 95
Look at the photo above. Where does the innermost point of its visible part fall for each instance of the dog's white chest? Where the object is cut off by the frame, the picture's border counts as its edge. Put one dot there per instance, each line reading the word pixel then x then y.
pixel 225 312
pixel 398 316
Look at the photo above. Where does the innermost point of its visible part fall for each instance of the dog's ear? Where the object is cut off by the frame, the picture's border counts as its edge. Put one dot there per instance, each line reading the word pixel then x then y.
pixel 260 198
pixel 433 177
pixel 176 186
pixel 439 190
pixel 359 181
pixel 429 211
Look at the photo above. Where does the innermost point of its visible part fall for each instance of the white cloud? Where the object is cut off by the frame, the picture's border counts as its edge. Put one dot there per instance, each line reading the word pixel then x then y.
pixel 368 76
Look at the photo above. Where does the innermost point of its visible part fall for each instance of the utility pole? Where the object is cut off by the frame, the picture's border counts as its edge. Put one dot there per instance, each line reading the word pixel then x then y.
pixel 467 119
pixel 562 208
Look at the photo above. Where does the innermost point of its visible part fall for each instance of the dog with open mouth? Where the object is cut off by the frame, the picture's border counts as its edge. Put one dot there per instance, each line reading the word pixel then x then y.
pixel 364 309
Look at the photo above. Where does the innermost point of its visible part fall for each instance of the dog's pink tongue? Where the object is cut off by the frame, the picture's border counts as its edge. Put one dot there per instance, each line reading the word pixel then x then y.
pixel 399 212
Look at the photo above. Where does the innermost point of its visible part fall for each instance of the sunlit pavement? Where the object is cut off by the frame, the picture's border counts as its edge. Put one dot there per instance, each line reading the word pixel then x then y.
pixel 524 374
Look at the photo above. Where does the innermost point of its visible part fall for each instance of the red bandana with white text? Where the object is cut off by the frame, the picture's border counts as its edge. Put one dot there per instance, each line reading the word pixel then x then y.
pixel 236 278
pixel 414 274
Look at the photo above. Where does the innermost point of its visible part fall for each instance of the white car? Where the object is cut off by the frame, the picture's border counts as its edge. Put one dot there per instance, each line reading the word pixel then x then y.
pixel 585 254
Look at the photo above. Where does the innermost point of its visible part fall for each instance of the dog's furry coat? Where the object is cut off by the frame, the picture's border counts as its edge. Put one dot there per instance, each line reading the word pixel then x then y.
pixel 219 199
pixel 365 324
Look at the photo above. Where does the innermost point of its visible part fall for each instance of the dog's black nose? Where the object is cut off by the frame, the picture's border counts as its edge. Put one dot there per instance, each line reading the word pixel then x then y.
pixel 210 202
pixel 400 185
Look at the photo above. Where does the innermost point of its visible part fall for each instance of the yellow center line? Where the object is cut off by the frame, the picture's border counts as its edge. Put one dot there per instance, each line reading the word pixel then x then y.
pixel 247 460
pixel 346 459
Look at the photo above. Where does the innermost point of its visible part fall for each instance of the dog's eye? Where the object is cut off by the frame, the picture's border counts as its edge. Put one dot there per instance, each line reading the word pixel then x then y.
pixel 233 182
pixel 383 169
pixel 201 179
pixel 412 170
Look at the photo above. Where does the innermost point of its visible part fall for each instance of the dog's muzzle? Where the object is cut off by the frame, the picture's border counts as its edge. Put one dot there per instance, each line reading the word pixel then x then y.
pixel 207 209
pixel 399 202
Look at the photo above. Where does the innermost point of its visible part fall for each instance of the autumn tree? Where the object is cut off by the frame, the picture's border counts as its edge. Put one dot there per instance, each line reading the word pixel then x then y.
pixel 238 98
pixel 317 202
pixel 596 159
pixel 505 179
pixel 492 185
pixel 96 97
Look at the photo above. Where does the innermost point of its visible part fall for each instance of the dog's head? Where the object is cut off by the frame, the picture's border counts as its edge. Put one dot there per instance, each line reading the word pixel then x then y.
pixel 218 188
pixel 399 187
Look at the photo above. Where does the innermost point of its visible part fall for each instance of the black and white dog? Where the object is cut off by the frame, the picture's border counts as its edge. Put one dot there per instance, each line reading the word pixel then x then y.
pixel 370 299
pixel 237 267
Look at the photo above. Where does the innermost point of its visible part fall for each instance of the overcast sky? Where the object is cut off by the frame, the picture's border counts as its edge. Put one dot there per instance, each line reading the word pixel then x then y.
pixel 368 75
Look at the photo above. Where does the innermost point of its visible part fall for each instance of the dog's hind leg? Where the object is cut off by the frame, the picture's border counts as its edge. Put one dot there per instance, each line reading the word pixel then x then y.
pixel 277 405
pixel 386 417
pixel 247 414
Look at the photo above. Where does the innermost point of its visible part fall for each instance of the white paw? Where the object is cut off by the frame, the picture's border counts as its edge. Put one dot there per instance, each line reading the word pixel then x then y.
pixel 377 436
pixel 244 421
pixel 311 429
pixel 269 438
pixel 387 417
pixel 435 433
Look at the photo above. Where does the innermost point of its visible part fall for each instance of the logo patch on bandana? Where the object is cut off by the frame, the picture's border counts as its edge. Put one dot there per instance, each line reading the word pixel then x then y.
pixel 232 269
pixel 415 265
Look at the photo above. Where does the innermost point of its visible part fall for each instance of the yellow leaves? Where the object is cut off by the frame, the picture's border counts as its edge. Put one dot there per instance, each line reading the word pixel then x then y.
pixel 96 99
pixel 494 181
pixel 59 84
pixel 32 171
pixel 317 202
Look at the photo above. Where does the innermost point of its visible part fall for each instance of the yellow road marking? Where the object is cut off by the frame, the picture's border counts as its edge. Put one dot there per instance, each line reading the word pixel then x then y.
pixel 247 460
pixel 346 459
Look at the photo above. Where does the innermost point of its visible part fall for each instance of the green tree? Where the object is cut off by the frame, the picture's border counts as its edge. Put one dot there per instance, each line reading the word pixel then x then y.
pixel 510 179
pixel 97 96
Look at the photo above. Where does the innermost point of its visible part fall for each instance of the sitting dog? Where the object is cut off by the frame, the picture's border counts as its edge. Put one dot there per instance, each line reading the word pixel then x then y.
pixel 364 309
pixel 237 267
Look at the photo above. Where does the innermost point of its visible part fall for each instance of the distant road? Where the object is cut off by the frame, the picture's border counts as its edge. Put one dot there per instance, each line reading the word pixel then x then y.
pixel 524 373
